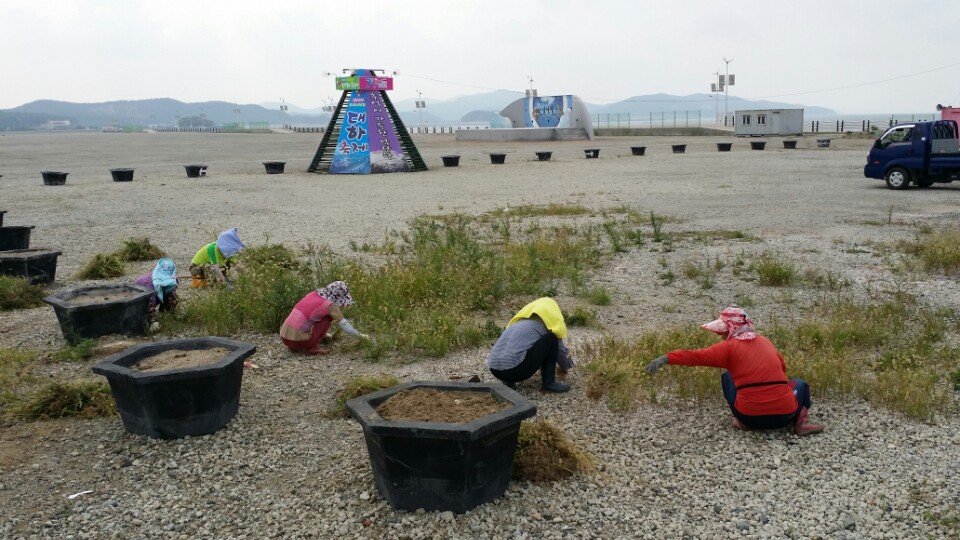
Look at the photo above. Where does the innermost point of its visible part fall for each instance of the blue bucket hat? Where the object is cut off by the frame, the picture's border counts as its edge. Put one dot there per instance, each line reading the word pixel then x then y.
pixel 164 277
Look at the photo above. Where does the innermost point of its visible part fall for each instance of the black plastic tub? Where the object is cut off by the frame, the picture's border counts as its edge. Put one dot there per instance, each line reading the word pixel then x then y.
pixel 122 175
pixel 195 171
pixel 98 310
pixel 679 148
pixel 53 178
pixel 724 146
pixel 442 466
pixel 591 153
pixel 758 145
pixel 790 145
pixel 2 212
pixel 179 402
pixel 274 167
pixel 823 143
pixel 544 156
pixel 15 237
pixel 451 161
pixel 37 266
pixel 638 150
pixel 498 159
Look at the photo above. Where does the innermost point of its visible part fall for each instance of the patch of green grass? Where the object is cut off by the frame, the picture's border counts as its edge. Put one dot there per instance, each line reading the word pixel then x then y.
pixel 358 386
pixel 84 399
pixel 15 376
pixel 936 251
pixel 656 223
pixel 75 353
pixel 138 249
pixel 525 211
pixel 667 277
pixel 102 267
pixel 17 293
pixel 775 272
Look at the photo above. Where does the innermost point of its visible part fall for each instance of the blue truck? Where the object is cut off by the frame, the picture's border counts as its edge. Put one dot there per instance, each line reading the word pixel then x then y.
pixel 921 152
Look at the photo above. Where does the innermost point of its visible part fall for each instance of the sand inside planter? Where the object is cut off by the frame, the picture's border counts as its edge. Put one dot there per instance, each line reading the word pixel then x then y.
pixel 99 297
pixel 181 358
pixel 432 405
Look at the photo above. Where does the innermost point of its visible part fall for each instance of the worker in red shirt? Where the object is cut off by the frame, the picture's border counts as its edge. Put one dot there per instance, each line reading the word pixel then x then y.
pixel 754 379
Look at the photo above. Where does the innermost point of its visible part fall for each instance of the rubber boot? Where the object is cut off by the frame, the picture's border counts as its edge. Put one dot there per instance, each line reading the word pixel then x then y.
pixel 550 384
pixel 801 426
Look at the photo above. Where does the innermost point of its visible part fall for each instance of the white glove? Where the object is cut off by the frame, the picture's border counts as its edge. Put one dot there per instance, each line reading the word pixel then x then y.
pixel 155 326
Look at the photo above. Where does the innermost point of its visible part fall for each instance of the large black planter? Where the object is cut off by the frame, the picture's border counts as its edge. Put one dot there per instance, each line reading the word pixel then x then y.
pixel 274 167
pixel 544 156
pixel 638 150
pixel 790 145
pixel 679 148
pixel 823 143
pixel 442 466
pixel 176 403
pixel 98 310
pixel 724 146
pixel 122 175
pixel 195 171
pixel 451 161
pixel 15 237
pixel 758 145
pixel 590 153
pixel 52 178
pixel 37 266
pixel 498 159
pixel 2 212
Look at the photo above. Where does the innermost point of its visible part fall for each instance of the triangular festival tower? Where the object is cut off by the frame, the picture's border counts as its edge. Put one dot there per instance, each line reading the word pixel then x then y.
pixel 365 134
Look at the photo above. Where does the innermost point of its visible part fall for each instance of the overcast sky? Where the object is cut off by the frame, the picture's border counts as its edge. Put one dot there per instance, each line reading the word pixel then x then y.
pixel 877 56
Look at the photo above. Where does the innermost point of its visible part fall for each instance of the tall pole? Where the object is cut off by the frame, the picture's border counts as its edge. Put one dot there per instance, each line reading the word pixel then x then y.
pixel 726 87
pixel 420 108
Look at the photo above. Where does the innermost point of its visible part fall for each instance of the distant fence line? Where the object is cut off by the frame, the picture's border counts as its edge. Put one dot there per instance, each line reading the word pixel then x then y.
pixel 415 129
pixel 670 119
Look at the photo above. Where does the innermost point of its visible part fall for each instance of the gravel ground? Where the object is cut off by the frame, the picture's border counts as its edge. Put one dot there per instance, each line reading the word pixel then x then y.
pixel 283 470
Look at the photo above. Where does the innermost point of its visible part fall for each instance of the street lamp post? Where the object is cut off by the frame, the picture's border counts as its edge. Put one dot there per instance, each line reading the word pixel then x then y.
pixel 727 82
pixel 420 106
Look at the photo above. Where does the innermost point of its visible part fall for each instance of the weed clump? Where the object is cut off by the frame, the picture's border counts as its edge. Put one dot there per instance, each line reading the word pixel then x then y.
pixel 138 249
pixel 545 454
pixel 102 267
pixel 17 293
pixel 75 353
pixel 358 386
pixel 774 272
pixel 84 399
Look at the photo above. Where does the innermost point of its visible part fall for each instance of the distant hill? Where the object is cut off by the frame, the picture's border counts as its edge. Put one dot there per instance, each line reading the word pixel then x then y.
pixel 473 108
pixel 147 112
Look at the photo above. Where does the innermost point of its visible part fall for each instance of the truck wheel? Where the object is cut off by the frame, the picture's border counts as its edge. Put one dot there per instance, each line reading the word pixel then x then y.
pixel 897 178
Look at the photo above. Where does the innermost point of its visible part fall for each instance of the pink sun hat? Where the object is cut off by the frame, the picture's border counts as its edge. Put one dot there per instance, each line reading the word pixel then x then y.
pixel 734 322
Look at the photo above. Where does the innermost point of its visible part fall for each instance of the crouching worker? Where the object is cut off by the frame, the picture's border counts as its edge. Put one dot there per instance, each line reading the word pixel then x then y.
pixel 754 379
pixel 533 340
pixel 310 319
pixel 163 281
pixel 213 262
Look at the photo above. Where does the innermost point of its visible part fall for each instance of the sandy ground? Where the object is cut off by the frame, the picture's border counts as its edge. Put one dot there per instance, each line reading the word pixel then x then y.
pixel 811 205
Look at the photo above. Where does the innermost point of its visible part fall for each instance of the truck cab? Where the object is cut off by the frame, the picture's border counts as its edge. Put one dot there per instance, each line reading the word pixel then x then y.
pixel 920 152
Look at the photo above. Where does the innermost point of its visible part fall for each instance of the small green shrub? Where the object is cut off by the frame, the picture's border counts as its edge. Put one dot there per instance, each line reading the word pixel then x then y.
pixel 599 296
pixel 102 267
pixel 774 272
pixel 17 293
pixel 138 249
pixel 937 251
pixel 580 317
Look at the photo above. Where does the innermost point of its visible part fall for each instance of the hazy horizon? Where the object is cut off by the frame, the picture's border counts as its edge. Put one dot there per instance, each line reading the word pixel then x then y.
pixel 844 56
